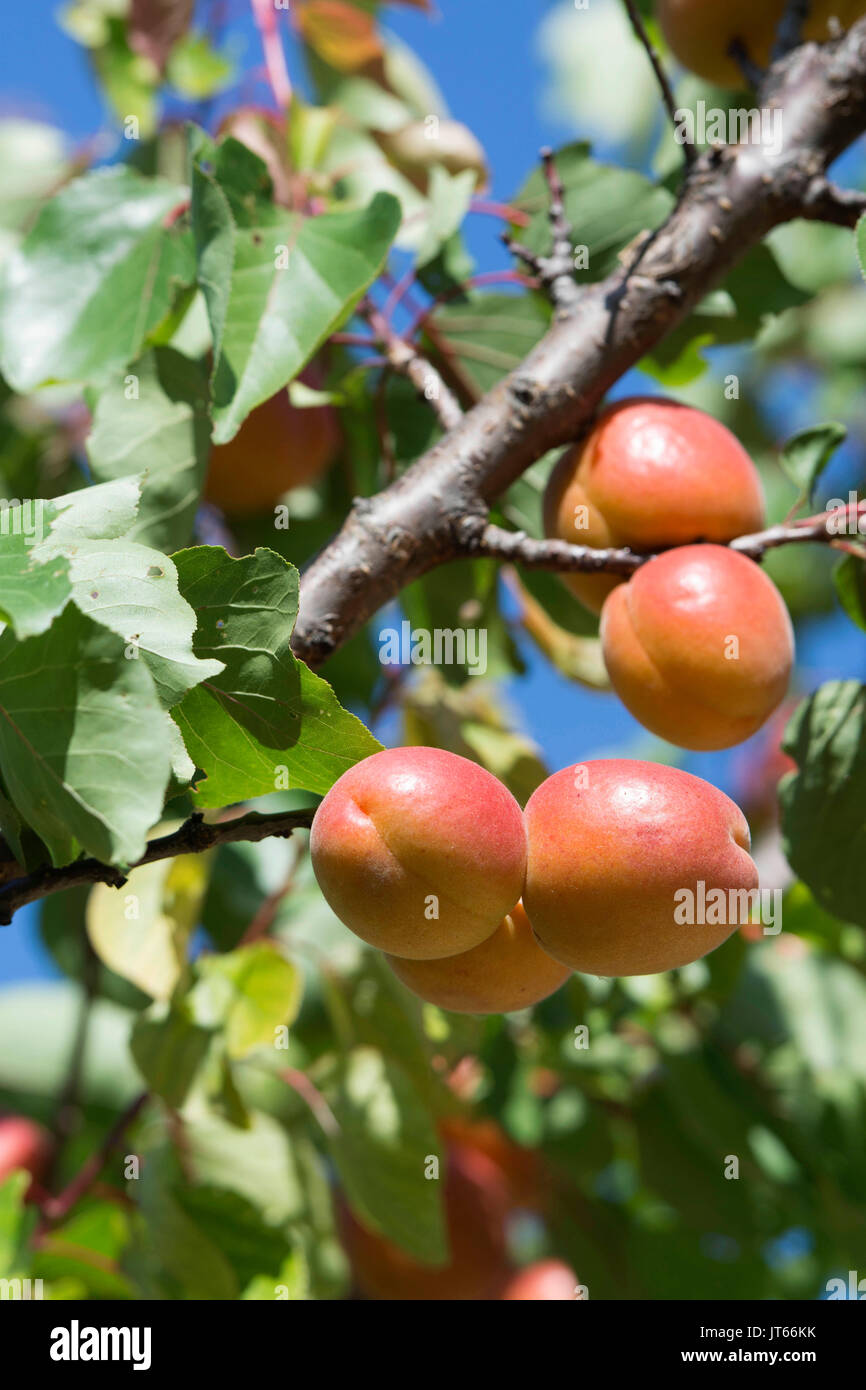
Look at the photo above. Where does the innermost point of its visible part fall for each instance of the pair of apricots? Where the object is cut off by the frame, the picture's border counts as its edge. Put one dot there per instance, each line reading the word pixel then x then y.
pixel 697 643
pixel 481 908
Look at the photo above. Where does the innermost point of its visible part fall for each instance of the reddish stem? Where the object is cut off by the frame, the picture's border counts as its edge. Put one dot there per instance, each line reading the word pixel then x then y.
pixel 265 17
pixel 504 211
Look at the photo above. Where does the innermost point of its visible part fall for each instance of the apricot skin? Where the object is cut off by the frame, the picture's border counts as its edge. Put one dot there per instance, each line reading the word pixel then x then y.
pixel 700 33
pixel 508 971
pixel 410 832
pixel 279 446
pixel 610 844
pixel 547 1281
pixel 651 474
pixel 699 646
pixel 476 1205
pixel 24 1144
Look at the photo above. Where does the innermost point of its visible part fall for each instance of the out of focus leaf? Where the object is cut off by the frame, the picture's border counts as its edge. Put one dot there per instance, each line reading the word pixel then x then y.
pixel 806 455
pixel 169 1050
pixel 822 803
pixel 252 992
pixel 385 1140
pixel 850 580
pixel 142 932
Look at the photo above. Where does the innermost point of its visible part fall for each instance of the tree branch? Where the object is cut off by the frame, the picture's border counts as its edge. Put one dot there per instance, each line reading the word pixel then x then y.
pixel 556 271
pixel 734 197
pixel 407 360
pixel 790 30
pixel 193 837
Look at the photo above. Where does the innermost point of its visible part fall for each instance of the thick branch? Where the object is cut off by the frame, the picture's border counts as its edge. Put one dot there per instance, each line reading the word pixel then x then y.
pixel 735 195
pixel 193 837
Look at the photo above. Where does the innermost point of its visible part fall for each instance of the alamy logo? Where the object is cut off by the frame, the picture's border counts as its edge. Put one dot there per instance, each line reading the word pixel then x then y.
pixel 713 125
pixel 28 1290
pixel 25 518
pixel 77 1343
pixel 718 907
pixel 408 646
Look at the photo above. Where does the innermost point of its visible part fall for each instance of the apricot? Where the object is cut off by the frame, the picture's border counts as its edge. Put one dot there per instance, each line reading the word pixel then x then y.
pixel 698 646
pixel 617 852
pixel 651 474
pixel 420 852
pixel 548 1281
pixel 24 1145
pixel 475 1205
pixel 700 33
pixel 279 446
pixel 508 971
pixel 522 1169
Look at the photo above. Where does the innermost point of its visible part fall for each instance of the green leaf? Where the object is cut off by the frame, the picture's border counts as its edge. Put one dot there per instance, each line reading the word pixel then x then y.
pixel 490 334
pixel 177 1243
pixel 860 241
pixel 822 803
pixel 82 743
pixel 196 69
pixel 162 433
pixel 36 1024
pixel 252 1247
pixel 252 992
pixel 35 537
pixel 450 196
pixel 32 593
pixel 806 454
pixel 96 274
pixel 607 207
pixel 276 284
pixel 142 933
pixel 385 1140
pixel 260 1163
pixel 13 1221
pixel 169 1051
pixel 88 1248
pixel 850 580
pixel 266 711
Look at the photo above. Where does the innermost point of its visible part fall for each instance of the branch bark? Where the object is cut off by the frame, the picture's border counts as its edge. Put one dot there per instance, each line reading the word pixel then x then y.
pixel 734 196
pixel 193 837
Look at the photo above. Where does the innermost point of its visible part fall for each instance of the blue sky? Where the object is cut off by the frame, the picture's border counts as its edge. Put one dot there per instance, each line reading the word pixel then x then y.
pixel 484 56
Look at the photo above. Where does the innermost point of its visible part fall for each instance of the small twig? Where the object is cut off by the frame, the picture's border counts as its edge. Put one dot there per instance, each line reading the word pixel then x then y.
pixel 267 913
pixel 752 71
pixel 790 31
pixel 67 1108
pixel 407 360
pixel 313 1099
pixel 193 837
pixel 518 548
pixel 556 271
pixel 56 1208
pixel 265 16
pixel 504 211
pixel 824 201
pixel 689 151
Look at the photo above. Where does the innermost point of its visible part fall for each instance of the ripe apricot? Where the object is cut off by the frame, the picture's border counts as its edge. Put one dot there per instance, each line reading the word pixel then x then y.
pixel 508 971
pixel 699 646
pixel 615 849
pixel 279 446
pixel 651 474
pixel 548 1281
pixel 476 1205
pixel 700 33
pixel 420 852
pixel 522 1169
pixel 24 1144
